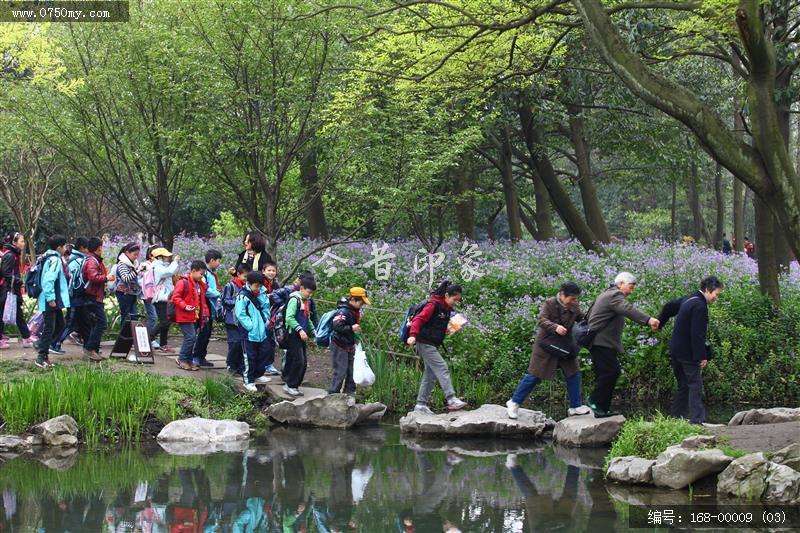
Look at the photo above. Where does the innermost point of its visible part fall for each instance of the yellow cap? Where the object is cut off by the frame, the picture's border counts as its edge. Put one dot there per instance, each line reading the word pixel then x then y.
pixel 358 292
pixel 161 252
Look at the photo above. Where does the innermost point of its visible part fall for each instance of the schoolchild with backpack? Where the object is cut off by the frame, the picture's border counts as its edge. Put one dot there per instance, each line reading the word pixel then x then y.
pixel 252 315
pixel 345 334
pixel 278 299
pixel 427 332
pixel 300 327
pixel 96 276
pixel 164 267
pixel 270 272
pixel 213 292
pixel 11 283
pixel 47 281
pixel 190 308
pixel 234 361
pixel 77 321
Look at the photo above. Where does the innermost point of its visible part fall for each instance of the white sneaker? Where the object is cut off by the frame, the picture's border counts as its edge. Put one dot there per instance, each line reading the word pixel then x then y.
pixel 251 387
pixel 290 390
pixel 579 411
pixel 423 409
pixel 454 404
pixel 511 461
pixel 512 408
pixel 262 379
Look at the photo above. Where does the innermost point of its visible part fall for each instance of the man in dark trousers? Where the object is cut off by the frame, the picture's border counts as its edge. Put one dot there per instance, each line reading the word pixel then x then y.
pixel 688 348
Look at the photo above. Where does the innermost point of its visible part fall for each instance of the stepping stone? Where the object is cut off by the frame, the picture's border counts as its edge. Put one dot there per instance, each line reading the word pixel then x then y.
pixel 587 431
pixel 213 357
pixel 488 420
pixel 775 415
pixel 337 411
pixel 275 391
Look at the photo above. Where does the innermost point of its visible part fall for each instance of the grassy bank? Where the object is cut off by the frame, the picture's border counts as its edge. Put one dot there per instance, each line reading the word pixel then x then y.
pixel 112 405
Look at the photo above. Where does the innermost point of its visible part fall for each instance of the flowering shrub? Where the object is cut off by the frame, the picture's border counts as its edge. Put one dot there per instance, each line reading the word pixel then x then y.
pixel 756 348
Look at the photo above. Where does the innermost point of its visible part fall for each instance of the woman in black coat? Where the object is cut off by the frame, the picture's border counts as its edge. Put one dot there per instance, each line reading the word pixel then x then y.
pixel 254 254
pixel 12 282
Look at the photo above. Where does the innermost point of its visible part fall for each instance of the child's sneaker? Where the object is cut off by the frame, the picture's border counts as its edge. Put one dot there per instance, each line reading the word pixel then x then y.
pixel 512 408
pixel 423 409
pixel 4 344
pixel 291 391
pixel 29 342
pixel 271 370
pixel 454 404
pixel 251 387
pixel 579 411
pixel 262 379
pixel 56 349
pixel 41 364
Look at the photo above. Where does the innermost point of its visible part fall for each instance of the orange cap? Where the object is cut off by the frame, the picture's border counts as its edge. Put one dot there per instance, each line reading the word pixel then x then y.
pixel 358 292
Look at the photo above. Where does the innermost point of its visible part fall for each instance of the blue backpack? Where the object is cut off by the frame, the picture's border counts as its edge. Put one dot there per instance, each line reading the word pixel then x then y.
pixel 33 279
pixel 77 285
pixel 325 328
pixel 405 327
pixel 279 298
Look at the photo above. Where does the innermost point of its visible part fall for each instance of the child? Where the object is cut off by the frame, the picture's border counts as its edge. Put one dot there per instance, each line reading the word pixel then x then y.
pixel 300 325
pixel 96 276
pixel 149 306
pixel 234 360
pixel 252 313
pixel 12 282
pixel 164 267
pixel 346 334
pixel 191 311
pixel 213 290
pixel 53 298
pixel 427 331
pixel 77 322
pixel 271 276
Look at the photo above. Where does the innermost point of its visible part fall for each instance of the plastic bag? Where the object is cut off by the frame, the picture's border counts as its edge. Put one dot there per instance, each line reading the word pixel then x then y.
pixel 35 324
pixel 362 373
pixel 359 480
pixel 10 309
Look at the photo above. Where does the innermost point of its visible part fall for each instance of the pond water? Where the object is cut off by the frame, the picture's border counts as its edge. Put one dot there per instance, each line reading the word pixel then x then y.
pixel 294 480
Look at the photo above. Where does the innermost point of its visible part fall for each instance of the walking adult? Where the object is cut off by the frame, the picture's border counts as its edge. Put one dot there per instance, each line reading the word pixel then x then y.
pixel 127 290
pixel 164 268
pixel 607 317
pixel 726 245
pixel 254 254
pixel 554 348
pixel 11 284
pixel 689 349
pixel 96 276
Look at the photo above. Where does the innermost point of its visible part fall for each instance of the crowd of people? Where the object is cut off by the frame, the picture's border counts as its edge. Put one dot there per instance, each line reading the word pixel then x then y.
pixel 261 317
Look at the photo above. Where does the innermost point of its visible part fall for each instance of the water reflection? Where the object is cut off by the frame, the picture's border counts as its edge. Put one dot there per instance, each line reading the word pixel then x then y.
pixel 314 481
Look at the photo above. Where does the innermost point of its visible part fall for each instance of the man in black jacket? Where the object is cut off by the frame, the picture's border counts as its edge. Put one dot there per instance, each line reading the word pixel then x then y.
pixel 688 348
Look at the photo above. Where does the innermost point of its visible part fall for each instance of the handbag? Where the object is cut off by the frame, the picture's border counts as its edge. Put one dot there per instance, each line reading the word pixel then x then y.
pixel 10 309
pixel 559 346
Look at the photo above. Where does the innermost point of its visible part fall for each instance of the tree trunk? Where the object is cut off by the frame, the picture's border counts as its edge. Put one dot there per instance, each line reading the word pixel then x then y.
pixel 765 250
pixel 738 215
pixel 312 195
pixel 464 200
pixel 719 203
pixel 544 168
pixel 490 225
pixel 543 217
pixel 509 187
pixel 529 224
pixel 699 230
pixel 591 205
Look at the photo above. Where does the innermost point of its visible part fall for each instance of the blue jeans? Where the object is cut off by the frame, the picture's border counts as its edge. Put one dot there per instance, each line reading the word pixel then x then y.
pixel 97 318
pixel 235 354
pixel 189 331
pixel 201 344
pixel 529 382
pixel 152 315
pixel 127 306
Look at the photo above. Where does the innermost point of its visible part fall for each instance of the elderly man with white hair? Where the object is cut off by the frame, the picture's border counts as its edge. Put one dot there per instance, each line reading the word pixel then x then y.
pixel 607 317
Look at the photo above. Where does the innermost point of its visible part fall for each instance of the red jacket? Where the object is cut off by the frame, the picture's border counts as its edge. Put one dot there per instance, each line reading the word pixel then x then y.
pixel 426 314
pixel 185 294
pixel 95 273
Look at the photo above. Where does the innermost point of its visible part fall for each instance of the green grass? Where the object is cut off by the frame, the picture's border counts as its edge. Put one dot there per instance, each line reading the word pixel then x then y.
pixel 730 451
pixel 112 405
pixel 648 438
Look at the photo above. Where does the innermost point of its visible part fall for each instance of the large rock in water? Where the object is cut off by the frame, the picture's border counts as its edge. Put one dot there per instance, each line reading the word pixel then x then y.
pixel 754 477
pixel 203 430
pixel 488 420
pixel 789 456
pixel 587 431
pixel 337 411
pixel 630 469
pixel 775 415
pixel 677 466
pixel 59 431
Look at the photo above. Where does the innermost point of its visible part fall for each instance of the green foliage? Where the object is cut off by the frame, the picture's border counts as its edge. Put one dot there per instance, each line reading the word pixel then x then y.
pixel 648 438
pixel 113 405
pixel 647 224
pixel 228 226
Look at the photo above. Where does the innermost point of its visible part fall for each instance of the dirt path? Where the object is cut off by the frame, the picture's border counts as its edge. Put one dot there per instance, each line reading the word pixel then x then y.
pixel 318 374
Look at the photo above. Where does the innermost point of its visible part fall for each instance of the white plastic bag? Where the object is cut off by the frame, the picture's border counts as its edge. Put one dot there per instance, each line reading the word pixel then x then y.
pixel 362 373
pixel 359 480
pixel 10 309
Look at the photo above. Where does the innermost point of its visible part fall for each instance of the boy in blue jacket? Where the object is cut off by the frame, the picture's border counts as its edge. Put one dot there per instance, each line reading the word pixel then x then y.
pixel 213 292
pixel 252 314
pixel 234 361
pixel 53 298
